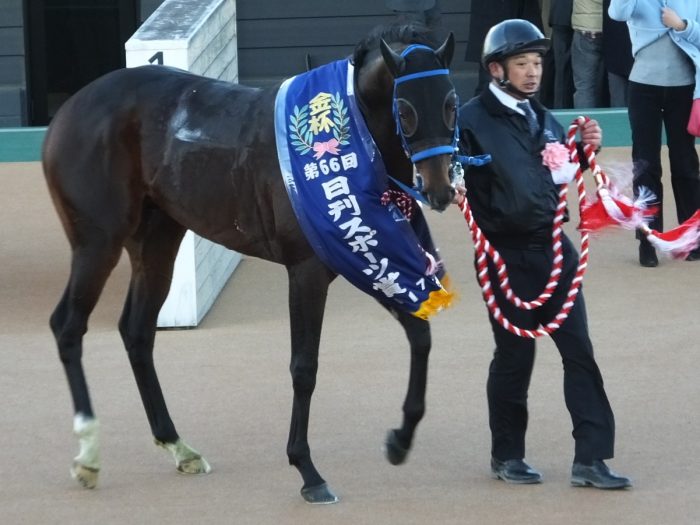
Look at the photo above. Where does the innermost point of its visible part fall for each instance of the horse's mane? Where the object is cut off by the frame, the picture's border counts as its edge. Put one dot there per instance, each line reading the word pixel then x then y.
pixel 411 33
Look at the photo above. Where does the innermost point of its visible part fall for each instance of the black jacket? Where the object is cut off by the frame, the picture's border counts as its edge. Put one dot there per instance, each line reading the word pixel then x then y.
pixel 560 13
pixel 513 196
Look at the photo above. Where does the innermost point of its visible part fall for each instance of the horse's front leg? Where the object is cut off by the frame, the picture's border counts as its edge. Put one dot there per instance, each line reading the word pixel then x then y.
pixel 308 287
pixel 399 440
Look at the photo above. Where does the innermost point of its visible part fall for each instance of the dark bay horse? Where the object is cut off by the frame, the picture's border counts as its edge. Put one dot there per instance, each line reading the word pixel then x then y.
pixel 125 170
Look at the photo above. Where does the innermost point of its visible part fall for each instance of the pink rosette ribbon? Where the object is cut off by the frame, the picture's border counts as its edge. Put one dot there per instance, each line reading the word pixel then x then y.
pixel 555 155
pixel 321 148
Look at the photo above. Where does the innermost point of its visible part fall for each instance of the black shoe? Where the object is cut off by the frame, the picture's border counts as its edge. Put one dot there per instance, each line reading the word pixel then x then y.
pixel 514 471
pixel 694 255
pixel 597 475
pixel 647 255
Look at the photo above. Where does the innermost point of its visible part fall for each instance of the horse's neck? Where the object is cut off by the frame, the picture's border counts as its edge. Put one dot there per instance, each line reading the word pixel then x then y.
pixel 395 160
pixel 375 96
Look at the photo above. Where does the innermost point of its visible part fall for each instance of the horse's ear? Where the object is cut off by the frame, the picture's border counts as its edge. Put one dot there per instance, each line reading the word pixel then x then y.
pixel 446 50
pixel 393 60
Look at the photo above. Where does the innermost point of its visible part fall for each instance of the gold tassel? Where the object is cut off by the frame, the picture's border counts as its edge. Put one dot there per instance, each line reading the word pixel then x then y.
pixel 437 300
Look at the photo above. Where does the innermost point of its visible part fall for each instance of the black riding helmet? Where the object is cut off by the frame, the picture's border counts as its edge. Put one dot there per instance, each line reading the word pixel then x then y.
pixel 512 37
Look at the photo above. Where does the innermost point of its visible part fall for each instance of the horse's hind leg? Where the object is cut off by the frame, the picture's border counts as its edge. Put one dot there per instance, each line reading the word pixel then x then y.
pixel 308 288
pixel 398 441
pixel 90 268
pixel 152 251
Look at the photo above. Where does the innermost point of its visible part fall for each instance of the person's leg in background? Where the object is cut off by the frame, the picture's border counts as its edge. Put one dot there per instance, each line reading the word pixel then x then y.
pixel 645 114
pixel 588 69
pixel 618 86
pixel 683 157
pixel 563 75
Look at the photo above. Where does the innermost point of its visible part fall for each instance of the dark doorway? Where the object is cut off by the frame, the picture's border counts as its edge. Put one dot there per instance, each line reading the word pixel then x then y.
pixel 70 43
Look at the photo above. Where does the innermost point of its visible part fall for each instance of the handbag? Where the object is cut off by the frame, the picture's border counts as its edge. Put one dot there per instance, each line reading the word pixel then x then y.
pixel 694 120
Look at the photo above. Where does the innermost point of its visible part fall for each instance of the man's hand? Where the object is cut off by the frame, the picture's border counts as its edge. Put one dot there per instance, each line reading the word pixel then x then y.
pixel 671 19
pixel 592 134
pixel 460 192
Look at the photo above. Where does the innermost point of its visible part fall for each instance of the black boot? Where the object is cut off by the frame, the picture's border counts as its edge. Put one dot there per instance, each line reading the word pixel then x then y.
pixel 647 254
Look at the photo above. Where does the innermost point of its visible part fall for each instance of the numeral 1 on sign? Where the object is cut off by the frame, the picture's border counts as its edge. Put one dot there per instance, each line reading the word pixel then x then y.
pixel 156 59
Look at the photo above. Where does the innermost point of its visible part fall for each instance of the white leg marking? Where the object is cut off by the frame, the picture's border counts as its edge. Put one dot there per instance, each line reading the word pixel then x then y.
pixel 86 465
pixel 187 459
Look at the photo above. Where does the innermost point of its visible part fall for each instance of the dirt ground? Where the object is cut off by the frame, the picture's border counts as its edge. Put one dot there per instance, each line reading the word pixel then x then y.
pixel 229 391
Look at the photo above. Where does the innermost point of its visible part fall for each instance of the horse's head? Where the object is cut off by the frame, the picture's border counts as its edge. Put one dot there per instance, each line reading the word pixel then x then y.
pixel 425 110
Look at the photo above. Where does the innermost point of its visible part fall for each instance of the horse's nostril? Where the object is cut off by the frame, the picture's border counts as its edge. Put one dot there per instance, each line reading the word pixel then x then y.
pixel 449 197
pixel 442 201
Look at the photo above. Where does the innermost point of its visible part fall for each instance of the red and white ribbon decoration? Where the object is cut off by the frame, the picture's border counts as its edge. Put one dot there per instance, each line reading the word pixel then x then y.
pixel 614 209
pixel 611 208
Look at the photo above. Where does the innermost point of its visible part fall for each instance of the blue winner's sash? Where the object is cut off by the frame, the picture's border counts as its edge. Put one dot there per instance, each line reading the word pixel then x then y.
pixel 335 178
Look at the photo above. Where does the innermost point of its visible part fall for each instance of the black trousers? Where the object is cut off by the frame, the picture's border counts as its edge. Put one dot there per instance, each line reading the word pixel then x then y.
pixel 511 367
pixel 649 108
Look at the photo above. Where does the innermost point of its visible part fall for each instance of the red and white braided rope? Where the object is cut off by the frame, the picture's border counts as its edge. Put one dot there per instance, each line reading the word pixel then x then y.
pixel 484 249
pixel 401 199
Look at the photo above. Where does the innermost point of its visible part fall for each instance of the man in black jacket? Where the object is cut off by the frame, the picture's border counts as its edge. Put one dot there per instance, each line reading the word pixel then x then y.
pixel 486 13
pixel 513 200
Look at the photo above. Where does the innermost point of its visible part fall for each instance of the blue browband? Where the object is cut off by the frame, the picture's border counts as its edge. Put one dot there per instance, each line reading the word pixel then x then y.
pixel 421 74
pixel 429 152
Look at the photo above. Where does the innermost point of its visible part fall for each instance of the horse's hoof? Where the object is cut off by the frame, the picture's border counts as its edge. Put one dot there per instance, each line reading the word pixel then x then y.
pixel 319 495
pixel 187 459
pixel 195 465
pixel 395 452
pixel 85 476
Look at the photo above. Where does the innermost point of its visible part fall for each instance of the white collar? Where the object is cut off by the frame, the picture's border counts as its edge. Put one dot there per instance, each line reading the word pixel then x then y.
pixel 507 99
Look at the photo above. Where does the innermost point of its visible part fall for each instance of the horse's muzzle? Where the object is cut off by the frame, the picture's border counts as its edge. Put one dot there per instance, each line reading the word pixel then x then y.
pixel 435 184
pixel 440 200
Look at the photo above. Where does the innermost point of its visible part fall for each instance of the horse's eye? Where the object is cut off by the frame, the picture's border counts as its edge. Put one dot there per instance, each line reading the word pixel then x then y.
pixel 449 110
pixel 408 118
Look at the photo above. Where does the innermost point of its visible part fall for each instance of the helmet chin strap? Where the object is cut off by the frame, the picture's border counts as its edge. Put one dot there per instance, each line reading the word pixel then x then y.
pixel 504 83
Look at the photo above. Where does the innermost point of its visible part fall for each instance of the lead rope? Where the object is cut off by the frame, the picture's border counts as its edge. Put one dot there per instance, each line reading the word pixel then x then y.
pixel 484 249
